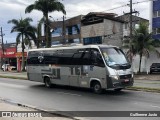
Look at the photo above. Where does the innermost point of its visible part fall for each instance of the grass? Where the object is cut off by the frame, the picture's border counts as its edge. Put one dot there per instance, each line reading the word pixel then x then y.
pixel 144 89
pixel 13 77
pixel 149 82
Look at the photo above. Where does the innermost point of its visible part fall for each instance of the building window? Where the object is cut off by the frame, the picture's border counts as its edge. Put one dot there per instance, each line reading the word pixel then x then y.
pixel 92 40
pixel 72 30
pixel 57 32
pixel 154 31
pixel 156 14
pixel 158 30
pixel 126 25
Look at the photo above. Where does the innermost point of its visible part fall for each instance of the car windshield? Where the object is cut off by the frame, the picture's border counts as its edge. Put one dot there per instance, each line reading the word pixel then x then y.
pixel 114 56
pixel 155 64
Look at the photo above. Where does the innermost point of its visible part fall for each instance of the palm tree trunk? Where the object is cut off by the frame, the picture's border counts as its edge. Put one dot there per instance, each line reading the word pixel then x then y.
pixel 140 62
pixel 48 44
pixel 23 64
pixel 38 35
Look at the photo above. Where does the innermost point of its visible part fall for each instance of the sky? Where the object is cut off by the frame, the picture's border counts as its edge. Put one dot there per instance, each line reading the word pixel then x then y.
pixel 15 9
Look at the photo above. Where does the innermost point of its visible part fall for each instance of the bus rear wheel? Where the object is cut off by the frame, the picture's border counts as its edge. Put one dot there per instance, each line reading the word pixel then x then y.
pixel 47 82
pixel 97 88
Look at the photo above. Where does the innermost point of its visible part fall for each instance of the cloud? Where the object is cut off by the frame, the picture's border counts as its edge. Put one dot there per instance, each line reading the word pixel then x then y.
pixel 10 9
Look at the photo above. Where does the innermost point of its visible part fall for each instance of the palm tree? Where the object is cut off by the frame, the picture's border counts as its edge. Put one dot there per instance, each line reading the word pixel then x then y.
pixel 46 6
pixel 26 33
pixel 142 43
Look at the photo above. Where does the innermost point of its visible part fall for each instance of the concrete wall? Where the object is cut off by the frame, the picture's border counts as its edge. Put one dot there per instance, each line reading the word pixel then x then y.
pixel 146 62
pixel 92 30
pixel 112 30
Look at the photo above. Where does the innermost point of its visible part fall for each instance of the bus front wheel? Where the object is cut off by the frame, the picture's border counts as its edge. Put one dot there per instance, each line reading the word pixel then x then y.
pixel 47 82
pixel 118 89
pixel 97 87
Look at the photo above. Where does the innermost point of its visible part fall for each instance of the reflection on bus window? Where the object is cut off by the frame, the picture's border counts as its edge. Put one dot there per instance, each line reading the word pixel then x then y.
pixel 114 56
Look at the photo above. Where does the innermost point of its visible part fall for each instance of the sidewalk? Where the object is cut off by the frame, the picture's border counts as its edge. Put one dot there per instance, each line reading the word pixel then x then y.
pixel 25 113
pixel 147 81
pixel 13 74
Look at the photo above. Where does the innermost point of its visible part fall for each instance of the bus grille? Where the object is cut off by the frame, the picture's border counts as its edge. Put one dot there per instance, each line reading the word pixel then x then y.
pixel 125 76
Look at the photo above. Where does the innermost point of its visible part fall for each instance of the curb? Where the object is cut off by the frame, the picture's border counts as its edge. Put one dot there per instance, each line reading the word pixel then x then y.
pixel 58 114
pixel 134 88
pixel 13 77
pixel 144 89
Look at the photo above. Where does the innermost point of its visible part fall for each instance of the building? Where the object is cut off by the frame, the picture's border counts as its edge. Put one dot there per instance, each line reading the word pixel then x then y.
pixel 8 54
pixel 68 30
pixel 99 27
pixel 156 19
pixel 93 28
pixel 19 54
pixel 126 38
pixel 126 30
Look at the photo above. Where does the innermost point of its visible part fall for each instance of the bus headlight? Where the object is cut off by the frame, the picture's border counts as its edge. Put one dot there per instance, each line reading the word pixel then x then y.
pixel 132 75
pixel 115 77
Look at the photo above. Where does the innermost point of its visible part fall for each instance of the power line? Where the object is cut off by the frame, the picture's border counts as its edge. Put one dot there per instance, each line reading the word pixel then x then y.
pixel 127 5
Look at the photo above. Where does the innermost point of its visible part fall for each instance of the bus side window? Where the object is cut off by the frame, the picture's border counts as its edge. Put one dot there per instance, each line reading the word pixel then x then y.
pixel 77 58
pixel 96 58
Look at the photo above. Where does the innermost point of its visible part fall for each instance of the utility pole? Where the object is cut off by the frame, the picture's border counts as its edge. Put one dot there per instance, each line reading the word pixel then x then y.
pixel 2 46
pixel 130 42
pixel 63 31
pixel 131 27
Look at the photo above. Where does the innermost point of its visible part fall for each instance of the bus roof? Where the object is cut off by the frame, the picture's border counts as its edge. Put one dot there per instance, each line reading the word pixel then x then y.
pixel 71 47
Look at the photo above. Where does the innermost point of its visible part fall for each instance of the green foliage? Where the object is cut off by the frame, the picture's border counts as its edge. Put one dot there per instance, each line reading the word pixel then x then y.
pixel 142 42
pixel 25 33
pixel 46 6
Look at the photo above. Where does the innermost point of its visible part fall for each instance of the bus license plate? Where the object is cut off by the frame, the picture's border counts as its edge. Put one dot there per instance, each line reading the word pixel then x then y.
pixel 126 80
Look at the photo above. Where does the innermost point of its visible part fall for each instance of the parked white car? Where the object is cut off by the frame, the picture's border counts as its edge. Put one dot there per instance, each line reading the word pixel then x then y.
pixel 6 67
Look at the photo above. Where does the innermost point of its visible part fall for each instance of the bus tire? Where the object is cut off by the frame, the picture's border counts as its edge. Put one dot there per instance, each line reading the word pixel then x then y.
pixel 47 82
pixel 118 89
pixel 96 86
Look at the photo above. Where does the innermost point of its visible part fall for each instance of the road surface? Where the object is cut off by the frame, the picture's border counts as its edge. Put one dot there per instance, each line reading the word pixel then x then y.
pixel 75 99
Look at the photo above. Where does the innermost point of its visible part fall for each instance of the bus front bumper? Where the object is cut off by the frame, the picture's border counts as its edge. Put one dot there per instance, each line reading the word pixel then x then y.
pixel 122 82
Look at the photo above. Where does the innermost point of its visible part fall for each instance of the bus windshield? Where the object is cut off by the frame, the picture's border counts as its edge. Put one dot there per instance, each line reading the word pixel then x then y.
pixel 114 56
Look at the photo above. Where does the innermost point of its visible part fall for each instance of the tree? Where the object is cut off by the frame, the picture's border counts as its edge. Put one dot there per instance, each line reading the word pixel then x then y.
pixel 46 6
pixel 26 33
pixel 142 43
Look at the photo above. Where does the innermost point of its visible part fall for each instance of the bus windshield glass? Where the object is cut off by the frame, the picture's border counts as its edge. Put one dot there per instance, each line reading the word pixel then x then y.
pixel 114 56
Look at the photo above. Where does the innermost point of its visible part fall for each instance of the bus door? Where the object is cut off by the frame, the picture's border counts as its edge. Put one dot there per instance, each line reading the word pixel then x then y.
pixel 84 77
pixel 79 76
pixel 73 78
pixel 85 68
pixel 75 67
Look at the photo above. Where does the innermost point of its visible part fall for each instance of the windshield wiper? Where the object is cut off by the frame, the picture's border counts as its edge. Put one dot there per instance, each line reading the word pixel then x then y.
pixel 125 64
pixel 115 65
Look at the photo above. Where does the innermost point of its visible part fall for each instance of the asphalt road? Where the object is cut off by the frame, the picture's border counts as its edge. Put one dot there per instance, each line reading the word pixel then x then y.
pixel 75 99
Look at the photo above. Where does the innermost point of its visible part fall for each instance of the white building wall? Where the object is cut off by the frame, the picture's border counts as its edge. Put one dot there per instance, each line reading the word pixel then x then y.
pixel 146 62
pixel 27 47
